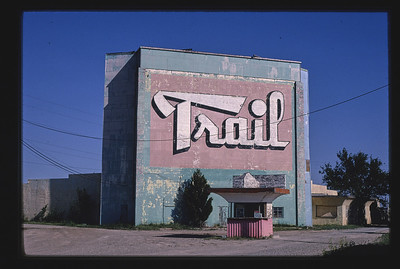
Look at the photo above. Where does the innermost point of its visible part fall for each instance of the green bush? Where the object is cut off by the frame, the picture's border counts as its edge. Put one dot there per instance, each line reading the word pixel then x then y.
pixel 192 205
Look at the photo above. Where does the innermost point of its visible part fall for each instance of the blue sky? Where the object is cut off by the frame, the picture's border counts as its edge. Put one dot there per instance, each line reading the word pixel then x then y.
pixel 63 54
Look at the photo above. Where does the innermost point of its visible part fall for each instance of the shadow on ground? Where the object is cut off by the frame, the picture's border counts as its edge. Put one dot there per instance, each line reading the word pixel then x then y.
pixel 188 235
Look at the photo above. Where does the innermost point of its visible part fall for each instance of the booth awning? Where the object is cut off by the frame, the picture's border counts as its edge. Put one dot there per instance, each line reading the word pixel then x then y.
pixel 250 195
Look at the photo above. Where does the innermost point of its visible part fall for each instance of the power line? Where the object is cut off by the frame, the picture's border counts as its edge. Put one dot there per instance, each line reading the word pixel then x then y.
pixel 38 163
pixel 61 105
pixel 62 115
pixel 54 162
pixel 73 171
pixel 345 101
pixel 161 140
pixel 61 131
pixel 63 147
pixel 48 159
pixel 62 166
pixel 65 153
pixel 73 155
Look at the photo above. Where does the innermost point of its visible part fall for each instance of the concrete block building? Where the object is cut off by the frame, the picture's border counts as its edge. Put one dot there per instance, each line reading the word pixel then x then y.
pixel 168 112
pixel 59 194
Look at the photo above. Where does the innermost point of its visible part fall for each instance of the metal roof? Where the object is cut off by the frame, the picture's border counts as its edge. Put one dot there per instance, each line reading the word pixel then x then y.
pixel 250 195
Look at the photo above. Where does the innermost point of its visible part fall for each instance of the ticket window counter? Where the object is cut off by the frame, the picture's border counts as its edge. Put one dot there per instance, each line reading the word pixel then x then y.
pixel 249 210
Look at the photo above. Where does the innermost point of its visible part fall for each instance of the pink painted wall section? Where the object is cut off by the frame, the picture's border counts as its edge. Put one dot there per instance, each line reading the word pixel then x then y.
pixel 201 155
pixel 250 227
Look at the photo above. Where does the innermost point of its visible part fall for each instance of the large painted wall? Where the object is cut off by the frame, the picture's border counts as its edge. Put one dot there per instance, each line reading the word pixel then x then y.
pixel 226 115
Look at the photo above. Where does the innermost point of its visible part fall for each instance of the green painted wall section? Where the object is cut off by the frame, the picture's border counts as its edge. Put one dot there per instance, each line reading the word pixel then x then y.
pixel 216 64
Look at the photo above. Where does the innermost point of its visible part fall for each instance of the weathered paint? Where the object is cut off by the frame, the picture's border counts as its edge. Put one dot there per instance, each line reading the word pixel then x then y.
pixel 249 227
pixel 145 175
pixel 307 169
pixel 211 63
pixel 198 153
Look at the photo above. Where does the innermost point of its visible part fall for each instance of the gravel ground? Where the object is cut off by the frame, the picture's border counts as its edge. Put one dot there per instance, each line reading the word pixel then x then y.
pixel 45 240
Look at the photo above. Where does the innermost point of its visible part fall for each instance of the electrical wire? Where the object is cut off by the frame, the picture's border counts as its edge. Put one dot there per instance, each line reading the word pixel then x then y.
pixel 62 147
pixel 78 173
pixel 60 114
pixel 62 105
pixel 62 166
pixel 48 159
pixel 175 139
pixel 61 131
pixel 345 101
pixel 48 164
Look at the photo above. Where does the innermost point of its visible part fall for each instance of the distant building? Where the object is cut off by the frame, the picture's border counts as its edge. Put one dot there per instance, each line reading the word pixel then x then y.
pixel 168 112
pixel 330 208
pixel 59 194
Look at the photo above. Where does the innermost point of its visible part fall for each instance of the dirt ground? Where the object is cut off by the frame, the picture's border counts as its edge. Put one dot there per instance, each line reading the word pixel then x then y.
pixel 45 240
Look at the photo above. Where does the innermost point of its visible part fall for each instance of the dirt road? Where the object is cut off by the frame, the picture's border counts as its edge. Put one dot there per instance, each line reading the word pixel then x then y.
pixel 44 240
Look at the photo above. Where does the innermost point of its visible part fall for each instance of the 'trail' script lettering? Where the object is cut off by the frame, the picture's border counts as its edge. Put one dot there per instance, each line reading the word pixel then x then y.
pixel 234 129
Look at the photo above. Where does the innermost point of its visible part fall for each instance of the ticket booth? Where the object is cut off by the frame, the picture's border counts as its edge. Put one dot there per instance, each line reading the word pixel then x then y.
pixel 250 210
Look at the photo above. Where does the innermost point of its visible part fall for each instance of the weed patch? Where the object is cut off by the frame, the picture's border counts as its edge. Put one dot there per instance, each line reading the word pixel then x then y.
pixel 346 248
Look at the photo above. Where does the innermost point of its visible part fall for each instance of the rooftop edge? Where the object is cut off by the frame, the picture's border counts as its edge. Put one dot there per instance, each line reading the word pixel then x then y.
pixel 219 54
pixel 255 57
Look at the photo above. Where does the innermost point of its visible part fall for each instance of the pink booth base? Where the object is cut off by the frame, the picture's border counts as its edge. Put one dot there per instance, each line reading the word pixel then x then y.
pixel 249 227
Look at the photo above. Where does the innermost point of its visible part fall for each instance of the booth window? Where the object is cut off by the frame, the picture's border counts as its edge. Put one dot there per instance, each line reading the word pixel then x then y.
pixel 277 212
pixel 249 210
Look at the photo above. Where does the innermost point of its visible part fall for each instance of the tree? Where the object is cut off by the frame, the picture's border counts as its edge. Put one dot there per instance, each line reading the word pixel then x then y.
pixel 357 175
pixel 178 213
pixel 83 209
pixel 192 205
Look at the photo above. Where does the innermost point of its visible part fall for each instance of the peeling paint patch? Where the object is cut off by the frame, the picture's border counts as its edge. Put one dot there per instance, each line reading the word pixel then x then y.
pixel 227 66
pixel 273 73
